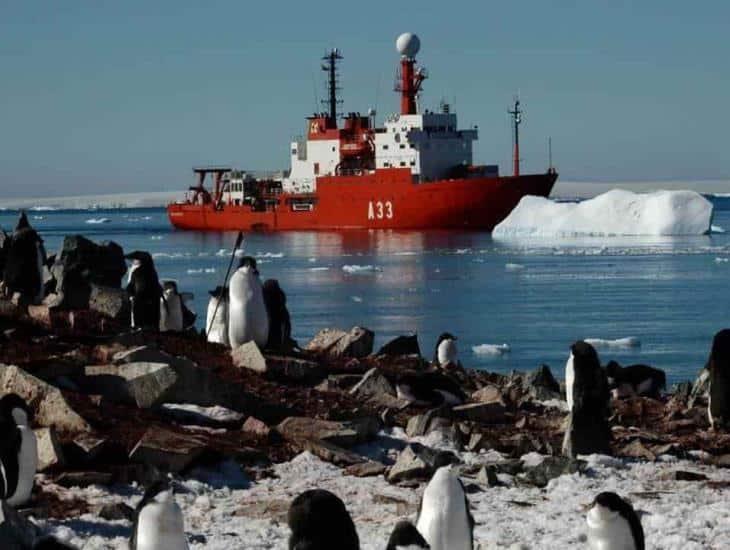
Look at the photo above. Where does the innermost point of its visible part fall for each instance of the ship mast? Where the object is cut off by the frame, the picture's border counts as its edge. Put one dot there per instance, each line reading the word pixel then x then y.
pixel 409 81
pixel 330 67
pixel 516 120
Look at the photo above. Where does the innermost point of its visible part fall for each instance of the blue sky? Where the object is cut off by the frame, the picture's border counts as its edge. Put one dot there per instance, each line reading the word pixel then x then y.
pixel 127 96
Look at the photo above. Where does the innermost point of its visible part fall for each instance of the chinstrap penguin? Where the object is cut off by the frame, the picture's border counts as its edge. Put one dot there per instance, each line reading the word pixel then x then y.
pixel 158 521
pixel 640 380
pixel 144 291
pixel 319 520
pixel 18 450
pixel 446 351
pixel 613 524
pixel 174 314
pixel 279 319
pixel 429 389
pixel 216 330
pixel 405 536
pixel 247 316
pixel 718 395
pixel 25 258
pixel 444 518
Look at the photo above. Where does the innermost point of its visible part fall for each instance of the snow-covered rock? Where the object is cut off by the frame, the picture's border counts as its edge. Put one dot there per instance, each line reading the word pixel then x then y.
pixel 617 212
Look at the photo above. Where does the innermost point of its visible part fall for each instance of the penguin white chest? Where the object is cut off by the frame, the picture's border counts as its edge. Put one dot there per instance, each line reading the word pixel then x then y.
pixel 217 329
pixel 608 530
pixel 27 466
pixel 160 527
pixel 443 520
pixel 447 352
pixel 569 380
pixel 247 316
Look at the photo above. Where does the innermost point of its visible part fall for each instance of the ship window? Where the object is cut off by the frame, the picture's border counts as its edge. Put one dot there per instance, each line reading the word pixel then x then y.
pixel 413 163
pixel 402 145
pixel 293 151
pixel 333 149
pixel 386 164
pixel 385 147
pixel 402 163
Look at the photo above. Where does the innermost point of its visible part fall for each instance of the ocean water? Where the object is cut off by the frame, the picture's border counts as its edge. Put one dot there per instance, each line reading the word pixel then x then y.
pixel 667 296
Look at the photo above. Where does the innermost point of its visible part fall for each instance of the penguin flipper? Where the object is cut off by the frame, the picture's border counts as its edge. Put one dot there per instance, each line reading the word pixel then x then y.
pixel 9 448
pixel 469 517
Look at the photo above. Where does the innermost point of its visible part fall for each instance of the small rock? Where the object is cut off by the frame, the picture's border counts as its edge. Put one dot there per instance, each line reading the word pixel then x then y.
pixel 249 356
pixel 335 343
pixel 552 467
pixel 418 462
pixel 488 394
pixel 681 475
pixel 486 413
pixel 401 345
pixel 256 427
pixel 85 448
pixel 167 450
pixel 374 388
pixel 50 455
pixel 636 449
pixel 330 452
pixel 83 479
pixel 542 384
pixel 110 302
pixel 342 434
pixel 366 469
pixel 117 511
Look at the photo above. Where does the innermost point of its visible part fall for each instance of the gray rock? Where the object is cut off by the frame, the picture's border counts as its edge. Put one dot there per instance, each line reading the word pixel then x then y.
pixel 111 302
pixel 83 479
pixel 16 532
pixel 552 467
pixel 85 448
pixel 117 511
pixel 375 389
pixel 278 367
pixel 418 462
pixel 342 434
pixel 50 454
pixel 335 343
pixel 488 394
pixel 485 413
pixel 144 384
pixel 330 452
pixel 249 356
pixel 401 345
pixel 166 450
pixel 51 408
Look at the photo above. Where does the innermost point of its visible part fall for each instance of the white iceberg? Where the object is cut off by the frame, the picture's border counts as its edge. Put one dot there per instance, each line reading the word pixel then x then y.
pixel 620 343
pixel 358 269
pixel 491 350
pixel 617 212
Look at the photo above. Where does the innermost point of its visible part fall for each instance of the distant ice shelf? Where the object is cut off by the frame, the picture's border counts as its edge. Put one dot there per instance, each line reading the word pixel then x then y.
pixel 615 213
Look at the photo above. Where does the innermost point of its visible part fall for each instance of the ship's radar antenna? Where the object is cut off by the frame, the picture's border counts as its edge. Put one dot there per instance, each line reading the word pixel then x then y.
pixel 516 113
pixel 409 80
pixel 330 67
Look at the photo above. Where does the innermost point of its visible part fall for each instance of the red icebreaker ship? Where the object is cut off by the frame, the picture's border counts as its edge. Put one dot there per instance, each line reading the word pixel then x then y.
pixel 415 172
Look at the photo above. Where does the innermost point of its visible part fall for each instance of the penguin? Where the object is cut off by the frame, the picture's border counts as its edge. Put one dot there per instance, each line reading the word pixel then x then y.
pixel 18 450
pixel 247 317
pixel 144 291
pixel 718 396
pixel 319 520
pixel 405 536
pixel 279 319
pixel 444 518
pixel 216 330
pixel 446 352
pixel 613 524
pixel 158 521
pixel 25 258
pixel 430 388
pixel 635 380
pixel 171 308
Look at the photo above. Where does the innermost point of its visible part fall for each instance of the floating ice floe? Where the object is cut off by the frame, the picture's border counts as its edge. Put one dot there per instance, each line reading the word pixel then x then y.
pixel 357 269
pixel 98 220
pixel 201 270
pixel 156 238
pixel 321 268
pixel 617 212
pixel 717 229
pixel 491 350
pixel 514 267
pixel 619 343
pixel 269 255
pixel 356 299
pixel 722 260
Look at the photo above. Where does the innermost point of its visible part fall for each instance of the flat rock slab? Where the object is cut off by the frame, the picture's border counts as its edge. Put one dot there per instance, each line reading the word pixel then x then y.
pixel 336 343
pixel 342 434
pixel 167 450
pixel 83 479
pixel 485 413
pixel 330 452
pixel 50 454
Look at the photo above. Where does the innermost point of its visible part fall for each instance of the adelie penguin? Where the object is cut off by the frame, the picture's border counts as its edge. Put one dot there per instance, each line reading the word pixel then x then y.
pixel 174 314
pixel 613 524
pixel 144 291
pixel 429 389
pixel 247 316
pixel 25 258
pixel 18 451
pixel 635 380
pixel 718 406
pixel 446 352
pixel 405 536
pixel 319 520
pixel 158 521
pixel 216 320
pixel 279 319
pixel 444 518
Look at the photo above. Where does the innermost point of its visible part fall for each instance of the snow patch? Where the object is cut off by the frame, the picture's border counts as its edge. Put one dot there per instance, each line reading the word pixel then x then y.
pixel 358 269
pixel 95 221
pixel 722 260
pixel 514 267
pixel 619 343
pixel 617 212
pixel 491 349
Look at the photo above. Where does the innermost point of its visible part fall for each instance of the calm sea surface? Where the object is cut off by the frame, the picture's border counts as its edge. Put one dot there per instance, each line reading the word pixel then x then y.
pixel 537 296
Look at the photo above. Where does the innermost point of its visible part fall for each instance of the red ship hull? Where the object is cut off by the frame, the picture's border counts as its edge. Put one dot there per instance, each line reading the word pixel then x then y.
pixel 385 199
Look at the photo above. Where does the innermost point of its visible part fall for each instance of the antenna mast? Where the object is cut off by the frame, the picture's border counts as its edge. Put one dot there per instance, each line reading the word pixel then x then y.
pixel 330 67
pixel 516 120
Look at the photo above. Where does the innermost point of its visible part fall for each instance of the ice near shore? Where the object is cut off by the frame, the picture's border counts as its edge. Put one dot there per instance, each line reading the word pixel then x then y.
pixel 617 212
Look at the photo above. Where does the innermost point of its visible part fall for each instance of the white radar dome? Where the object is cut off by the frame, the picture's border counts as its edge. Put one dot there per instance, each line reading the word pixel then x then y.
pixel 408 44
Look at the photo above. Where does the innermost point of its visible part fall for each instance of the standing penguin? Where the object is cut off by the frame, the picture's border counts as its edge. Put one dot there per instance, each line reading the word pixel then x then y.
pixel 25 257
pixel 613 524
pixel 216 329
pixel 279 319
pixel 446 351
pixel 718 406
pixel 586 389
pixel 144 291
pixel 444 518
pixel 405 536
pixel 18 450
pixel 247 317
pixel 319 520
pixel 158 521
pixel 431 388
pixel 171 308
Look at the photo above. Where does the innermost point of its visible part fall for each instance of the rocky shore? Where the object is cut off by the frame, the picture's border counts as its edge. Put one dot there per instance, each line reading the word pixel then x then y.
pixel 243 430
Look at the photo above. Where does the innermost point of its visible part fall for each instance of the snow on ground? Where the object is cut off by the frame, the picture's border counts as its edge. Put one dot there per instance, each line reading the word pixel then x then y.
pixel 616 212
pixel 224 510
pixel 357 269
pixel 619 343
pixel 491 349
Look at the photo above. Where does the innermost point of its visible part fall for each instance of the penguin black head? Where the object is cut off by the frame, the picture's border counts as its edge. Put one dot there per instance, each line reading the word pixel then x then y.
pixel 23 222
pixel 51 543
pixel 720 348
pixel 319 520
pixel 405 535
pixel 273 293
pixel 445 336
pixel 154 491
pixel 248 261
pixel 611 503
pixel 613 369
pixel 140 256
pixel 170 285
pixel 219 292
pixel 14 408
pixel 584 353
